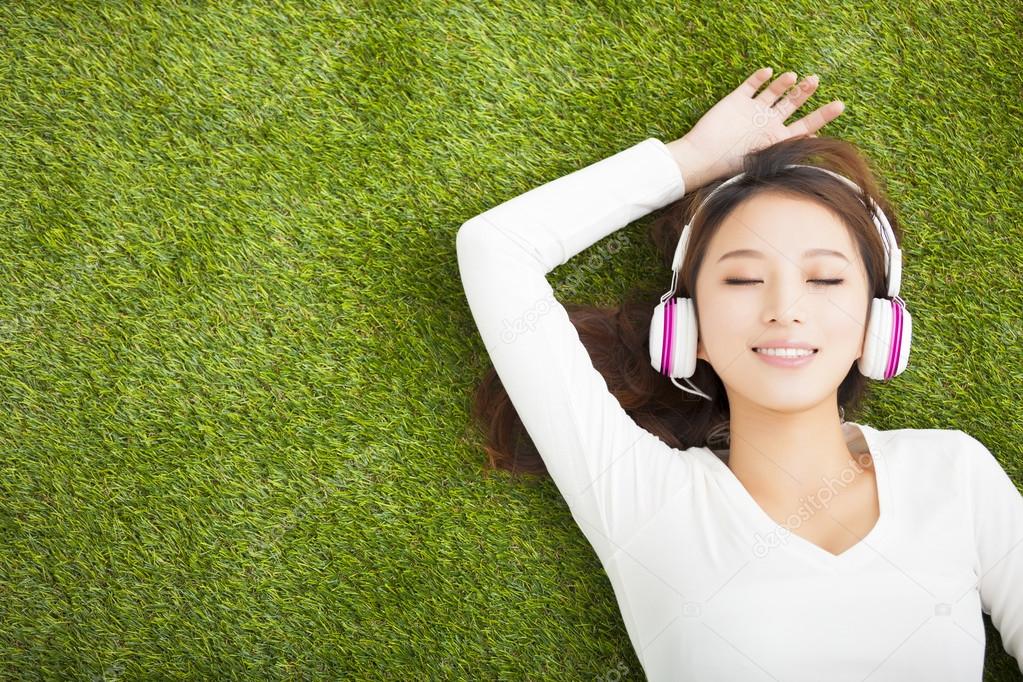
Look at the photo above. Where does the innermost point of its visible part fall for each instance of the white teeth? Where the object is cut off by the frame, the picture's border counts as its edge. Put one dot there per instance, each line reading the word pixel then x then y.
pixel 785 352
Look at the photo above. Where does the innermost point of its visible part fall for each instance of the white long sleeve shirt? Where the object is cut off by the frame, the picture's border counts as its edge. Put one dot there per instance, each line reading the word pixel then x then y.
pixel 709 586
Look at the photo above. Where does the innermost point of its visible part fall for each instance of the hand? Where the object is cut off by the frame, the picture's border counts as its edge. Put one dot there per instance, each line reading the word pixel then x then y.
pixel 742 123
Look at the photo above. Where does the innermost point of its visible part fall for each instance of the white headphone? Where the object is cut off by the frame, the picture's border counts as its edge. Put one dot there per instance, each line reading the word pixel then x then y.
pixel 673 329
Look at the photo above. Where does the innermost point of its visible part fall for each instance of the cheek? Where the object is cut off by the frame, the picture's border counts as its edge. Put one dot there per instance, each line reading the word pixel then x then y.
pixel 724 329
pixel 844 318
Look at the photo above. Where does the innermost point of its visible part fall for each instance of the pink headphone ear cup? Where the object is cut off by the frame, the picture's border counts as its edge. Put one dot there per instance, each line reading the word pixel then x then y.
pixel 888 340
pixel 673 338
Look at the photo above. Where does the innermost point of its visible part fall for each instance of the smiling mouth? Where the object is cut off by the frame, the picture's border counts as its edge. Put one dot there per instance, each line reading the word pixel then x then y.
pixel 813 350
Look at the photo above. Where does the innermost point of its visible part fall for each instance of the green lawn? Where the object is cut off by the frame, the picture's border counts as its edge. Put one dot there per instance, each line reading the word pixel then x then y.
pixel 235 354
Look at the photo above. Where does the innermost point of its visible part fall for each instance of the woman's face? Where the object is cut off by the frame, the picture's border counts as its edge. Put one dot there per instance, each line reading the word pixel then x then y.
pixel 782 302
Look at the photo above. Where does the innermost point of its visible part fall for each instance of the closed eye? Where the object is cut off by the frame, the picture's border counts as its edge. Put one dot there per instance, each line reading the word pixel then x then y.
pixel 732 280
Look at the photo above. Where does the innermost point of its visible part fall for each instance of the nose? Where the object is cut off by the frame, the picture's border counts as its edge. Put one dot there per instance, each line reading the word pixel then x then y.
pixel 783 301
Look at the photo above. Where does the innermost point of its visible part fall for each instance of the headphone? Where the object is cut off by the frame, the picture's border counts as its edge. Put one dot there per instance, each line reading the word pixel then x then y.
pixel 889 326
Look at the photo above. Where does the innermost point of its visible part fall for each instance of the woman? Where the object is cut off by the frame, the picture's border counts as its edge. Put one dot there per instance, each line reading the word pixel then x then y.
pixel 812 547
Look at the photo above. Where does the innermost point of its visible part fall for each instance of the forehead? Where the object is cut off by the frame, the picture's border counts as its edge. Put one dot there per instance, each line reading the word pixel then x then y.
pixel 782 226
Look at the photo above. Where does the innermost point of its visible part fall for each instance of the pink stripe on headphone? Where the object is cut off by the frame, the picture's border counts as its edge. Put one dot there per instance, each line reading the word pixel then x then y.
pixel 893 355
pixel 666 338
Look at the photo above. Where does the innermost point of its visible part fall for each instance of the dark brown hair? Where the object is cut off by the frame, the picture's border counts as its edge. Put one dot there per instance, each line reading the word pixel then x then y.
pixel 617 338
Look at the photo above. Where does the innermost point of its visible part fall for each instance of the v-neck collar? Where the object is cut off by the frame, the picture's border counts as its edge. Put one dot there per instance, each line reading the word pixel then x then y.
pixel 783 537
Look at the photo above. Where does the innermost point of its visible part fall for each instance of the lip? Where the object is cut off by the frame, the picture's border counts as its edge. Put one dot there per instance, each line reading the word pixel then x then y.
pixel 785 362
pixel 785 343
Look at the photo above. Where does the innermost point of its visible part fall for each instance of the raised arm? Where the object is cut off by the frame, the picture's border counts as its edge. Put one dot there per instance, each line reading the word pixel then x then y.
pixel 612 473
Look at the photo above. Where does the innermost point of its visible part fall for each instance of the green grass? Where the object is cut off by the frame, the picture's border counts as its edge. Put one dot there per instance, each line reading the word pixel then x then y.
pixel 236 357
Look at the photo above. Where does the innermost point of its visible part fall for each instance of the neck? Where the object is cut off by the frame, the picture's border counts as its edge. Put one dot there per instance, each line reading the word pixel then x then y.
pixel 784 454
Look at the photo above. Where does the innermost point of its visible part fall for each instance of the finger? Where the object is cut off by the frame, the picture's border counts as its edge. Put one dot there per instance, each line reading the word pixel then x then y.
pixel 814 121
pixel 776 88
pixel 795 96
pixel 755 80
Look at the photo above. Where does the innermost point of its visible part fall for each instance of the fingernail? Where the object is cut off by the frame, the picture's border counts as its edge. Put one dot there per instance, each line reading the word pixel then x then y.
pixel 813 78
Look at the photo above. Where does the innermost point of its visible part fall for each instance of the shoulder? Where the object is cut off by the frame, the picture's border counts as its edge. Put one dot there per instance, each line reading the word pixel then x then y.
pixel 979 459
pixel 966 447
pixel 953 449
pixel 932 442
pixel 942 451
pixel 946 440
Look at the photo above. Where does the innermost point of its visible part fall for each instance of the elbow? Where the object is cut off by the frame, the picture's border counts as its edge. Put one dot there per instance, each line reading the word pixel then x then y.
pixel 471 225
pixel 470 234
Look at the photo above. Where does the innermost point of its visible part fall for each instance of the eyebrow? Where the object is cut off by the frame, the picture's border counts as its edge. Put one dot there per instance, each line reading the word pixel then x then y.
pixel 753 253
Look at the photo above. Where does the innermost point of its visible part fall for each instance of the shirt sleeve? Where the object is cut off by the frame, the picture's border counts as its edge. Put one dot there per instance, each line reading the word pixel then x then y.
pixel 998 530
pixel 612 473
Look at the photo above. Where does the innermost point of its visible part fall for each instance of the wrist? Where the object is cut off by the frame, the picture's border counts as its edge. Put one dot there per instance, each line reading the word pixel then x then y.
pixel 689 163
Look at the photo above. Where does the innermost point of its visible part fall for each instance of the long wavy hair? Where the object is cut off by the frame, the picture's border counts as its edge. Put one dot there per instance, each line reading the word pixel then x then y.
pixel 617 338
